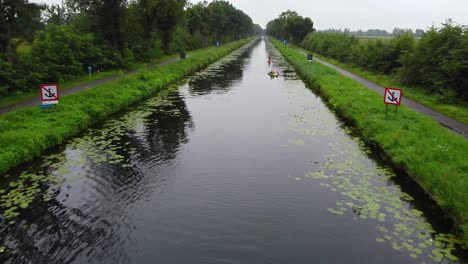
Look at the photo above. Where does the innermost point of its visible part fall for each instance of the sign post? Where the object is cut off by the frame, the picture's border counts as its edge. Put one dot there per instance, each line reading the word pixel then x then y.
pixel 49 95
pixel 393 96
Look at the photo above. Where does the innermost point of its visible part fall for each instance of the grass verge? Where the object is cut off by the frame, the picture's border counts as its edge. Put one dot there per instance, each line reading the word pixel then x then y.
pixel 457 111
pixel 26 133
pixel 433 156
pixel 10 100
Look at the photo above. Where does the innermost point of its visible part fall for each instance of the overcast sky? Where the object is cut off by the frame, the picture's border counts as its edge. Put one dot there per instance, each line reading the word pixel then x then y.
pixel 356 14
pixel 361 14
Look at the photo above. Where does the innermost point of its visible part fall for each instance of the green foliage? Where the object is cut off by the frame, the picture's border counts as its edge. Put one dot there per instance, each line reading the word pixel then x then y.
pixel 427 151
pixel 290 26
pixel 54 43
pixel 376 55
pixel 181 42
pixel 218 21
pixel 446 103
pixel 439 61
pixel 158 16
pixel 436 63
pixel 60 52
pixel 12 78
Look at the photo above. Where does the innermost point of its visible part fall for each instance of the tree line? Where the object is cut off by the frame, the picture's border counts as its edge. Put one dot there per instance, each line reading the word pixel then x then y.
pixel 418 33
pixel 51 43
pixel 290 26
pixel 437 62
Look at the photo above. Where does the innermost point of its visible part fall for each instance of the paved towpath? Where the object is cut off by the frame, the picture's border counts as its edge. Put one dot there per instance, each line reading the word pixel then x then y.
pixel 444 120
pixel 36 101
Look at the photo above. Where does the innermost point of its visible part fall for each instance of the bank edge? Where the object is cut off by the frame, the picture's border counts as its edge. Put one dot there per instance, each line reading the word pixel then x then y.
pixel 27 133
pixel 434 157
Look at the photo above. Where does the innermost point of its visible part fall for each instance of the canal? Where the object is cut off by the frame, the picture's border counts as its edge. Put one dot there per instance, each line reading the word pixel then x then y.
pixel 228 166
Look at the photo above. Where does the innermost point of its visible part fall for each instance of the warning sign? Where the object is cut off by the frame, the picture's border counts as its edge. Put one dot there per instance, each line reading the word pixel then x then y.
pixel 393 96
pixel 49 94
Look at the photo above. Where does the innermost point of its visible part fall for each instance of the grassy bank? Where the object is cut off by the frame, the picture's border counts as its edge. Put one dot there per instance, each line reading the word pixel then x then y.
pixel 433 156
pixel 26 133
pixel 10 100
pixel 440 103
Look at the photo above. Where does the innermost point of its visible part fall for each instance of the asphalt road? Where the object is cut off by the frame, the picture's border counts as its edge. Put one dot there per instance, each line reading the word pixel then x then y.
pixel 36 101
pixel 444 120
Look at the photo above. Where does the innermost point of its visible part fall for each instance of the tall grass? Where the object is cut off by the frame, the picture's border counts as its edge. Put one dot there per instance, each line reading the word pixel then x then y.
pixel 433 156
pixel 26 133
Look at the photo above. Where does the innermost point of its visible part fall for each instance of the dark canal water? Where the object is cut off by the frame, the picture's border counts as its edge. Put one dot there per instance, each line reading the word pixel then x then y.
pixel 230 167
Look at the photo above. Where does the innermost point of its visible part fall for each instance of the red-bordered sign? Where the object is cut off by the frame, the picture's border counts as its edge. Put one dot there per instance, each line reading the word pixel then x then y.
pixel 49 93
pixel 393 96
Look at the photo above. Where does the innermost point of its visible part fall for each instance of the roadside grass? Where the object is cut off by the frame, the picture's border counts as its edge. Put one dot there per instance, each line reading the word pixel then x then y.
pixel 6 101
pixel 457 111
pixel 10 100
pixel 433 156
pixel 28 132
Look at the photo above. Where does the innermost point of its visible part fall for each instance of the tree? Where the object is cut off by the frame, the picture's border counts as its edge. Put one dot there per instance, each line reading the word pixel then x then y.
pixel 218 19
pixel 439 62
pixel 198 17
pixel 290 25
pixel 18 19
pixel 105 19
pixel 55 14
pixel 60 52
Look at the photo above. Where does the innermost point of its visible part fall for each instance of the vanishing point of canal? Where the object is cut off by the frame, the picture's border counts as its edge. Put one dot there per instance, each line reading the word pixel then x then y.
pixel 229 166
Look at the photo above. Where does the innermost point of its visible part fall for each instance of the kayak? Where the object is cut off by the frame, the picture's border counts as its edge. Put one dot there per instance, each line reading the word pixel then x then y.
pixel 273 74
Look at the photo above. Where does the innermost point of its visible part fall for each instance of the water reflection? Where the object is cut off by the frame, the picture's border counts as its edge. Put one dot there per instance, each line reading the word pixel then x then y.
pixel 164 131
pixel 100 177
pixel 221 76
pixel 267 175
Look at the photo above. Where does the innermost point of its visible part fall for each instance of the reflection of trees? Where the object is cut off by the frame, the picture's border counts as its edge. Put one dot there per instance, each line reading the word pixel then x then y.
pixel 165 131
pixel 94 223
pixel 220 78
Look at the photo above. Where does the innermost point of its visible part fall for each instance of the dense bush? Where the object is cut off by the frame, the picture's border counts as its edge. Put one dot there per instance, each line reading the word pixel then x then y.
pixel 378 56
pixel 60 52
pixel 437 62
